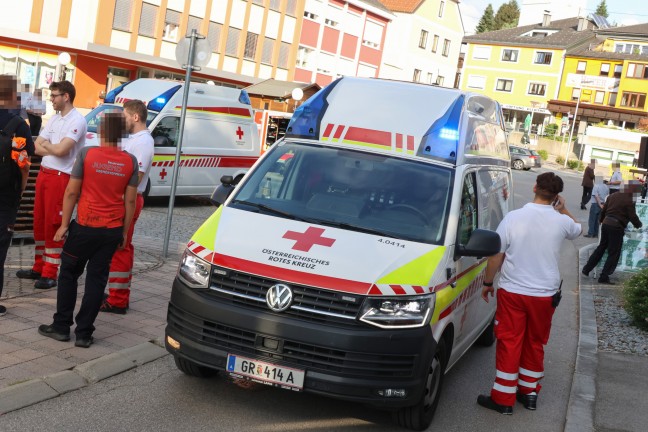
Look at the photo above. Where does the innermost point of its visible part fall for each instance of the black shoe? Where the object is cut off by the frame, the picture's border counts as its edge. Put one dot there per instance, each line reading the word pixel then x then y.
pixel 583 207
pixel 107 307
pixel 28 274
pixel 606 281
pixel 585 273
pixel 588 236
pixel 83 342
pixel 45 283
pixel 3 310
pixel 487 402
pixel 50 332
pixel 529 400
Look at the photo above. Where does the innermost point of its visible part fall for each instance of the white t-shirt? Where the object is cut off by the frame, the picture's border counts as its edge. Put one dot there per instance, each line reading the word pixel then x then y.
pixel 616 176
pixel 141 146
pixel 531 241
pixel 73 126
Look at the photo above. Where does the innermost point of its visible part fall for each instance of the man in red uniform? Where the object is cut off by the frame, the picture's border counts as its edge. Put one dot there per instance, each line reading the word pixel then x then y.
pixel 104 181
pixel 59 142
pixel 528 292
pixel 139 144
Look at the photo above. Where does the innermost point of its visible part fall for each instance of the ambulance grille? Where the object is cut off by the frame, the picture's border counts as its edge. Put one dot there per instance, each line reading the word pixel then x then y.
pixel 293 354
pixel 309 303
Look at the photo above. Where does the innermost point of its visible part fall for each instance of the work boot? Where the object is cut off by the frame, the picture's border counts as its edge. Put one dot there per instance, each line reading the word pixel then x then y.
pixel 51 332
pixel 107 307
pixel 45 283
pixel 83 342
pixel 528 400
pixel 28 274
pixel 487 402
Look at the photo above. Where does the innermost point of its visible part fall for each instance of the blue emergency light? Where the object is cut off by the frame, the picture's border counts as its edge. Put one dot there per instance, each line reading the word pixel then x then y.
pixel 305 122
pixel 159 102
pixel 244 98
pixel 112 94
pixel 442 139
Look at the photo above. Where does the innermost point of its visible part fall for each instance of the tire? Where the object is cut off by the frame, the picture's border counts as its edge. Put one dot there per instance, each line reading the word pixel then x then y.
pixel 487 338
pixel 518 164
pixel 418 417
pixel 190 368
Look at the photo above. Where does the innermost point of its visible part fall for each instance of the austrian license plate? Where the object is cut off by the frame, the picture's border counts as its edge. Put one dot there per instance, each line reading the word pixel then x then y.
pixel 265 373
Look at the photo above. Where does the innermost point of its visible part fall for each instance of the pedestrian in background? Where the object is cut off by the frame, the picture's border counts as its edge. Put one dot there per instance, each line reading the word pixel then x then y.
pixel 15 139
pixel 617 178
pixel 59 142
pixel 528 292
pixel 588 183
pixel 104 181
pixel 618 211
pixel 139 144
pixel 599 195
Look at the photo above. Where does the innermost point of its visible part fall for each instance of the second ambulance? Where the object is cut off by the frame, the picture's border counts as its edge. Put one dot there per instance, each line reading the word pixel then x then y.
pixel 349 261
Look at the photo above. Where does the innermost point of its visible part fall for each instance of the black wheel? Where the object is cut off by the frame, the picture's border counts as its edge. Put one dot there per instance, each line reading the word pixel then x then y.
pixel 419 416
pixel 518 164
pixel 190 368
pixel 413 210
pixel 487 338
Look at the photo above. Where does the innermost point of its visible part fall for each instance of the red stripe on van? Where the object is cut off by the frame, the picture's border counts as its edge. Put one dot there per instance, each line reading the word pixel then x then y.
pixel 375 290
pixel 236 162
pixel 294 276
pixel 198 249
pixel 338 132
pixel 369 136
pixel 419 289
pixel 399 141
pixel 327 131
pixel 397 289
pixel 410 143
pixel 244 112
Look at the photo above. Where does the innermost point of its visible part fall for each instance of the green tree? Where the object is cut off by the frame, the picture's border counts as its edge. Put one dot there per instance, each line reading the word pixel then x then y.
pixel 601 9
pixel 507 16
pixel 487 20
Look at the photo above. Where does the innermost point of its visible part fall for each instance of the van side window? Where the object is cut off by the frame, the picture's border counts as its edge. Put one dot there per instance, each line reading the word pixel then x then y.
pixel 165 133
pixel 468 210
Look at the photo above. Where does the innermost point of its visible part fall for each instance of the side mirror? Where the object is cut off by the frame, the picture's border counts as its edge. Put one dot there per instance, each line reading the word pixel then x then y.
pixel 482 243
pixel 161 141
pixel 222 191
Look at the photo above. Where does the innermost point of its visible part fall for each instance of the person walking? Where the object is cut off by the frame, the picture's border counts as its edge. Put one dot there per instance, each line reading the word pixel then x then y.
pixel 104 181
pixel 588 183
pixel 616 179
pixel 528 292
pixel 618 211
pixel 599 195
pixel 59 142
pixel 139 144
pixel 15 142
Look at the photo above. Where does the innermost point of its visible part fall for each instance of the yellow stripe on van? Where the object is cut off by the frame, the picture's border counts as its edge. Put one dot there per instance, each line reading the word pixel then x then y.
pixel 416 272
pixel 206 234
pixel 446 296
pixel 159 158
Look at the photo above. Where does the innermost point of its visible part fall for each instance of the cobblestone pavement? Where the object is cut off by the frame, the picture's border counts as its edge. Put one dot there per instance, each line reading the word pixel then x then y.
pixel 188 214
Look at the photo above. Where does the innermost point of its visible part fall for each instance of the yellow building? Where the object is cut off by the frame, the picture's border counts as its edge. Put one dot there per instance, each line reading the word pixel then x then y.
pixel 522 67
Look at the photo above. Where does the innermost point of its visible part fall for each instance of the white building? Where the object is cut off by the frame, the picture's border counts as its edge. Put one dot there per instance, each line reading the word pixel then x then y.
pixel 532 11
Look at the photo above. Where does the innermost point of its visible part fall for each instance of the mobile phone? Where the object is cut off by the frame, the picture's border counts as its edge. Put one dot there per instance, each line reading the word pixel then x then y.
pixel 555 202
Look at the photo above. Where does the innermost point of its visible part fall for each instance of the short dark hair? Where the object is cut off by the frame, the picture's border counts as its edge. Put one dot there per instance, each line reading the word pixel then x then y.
pixel 136 107
pixel 548 185
pixel 64 87
pixel 112 127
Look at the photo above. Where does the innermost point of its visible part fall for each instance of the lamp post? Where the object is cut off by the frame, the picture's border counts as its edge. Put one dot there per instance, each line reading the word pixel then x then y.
pixel 571 131
pixel 63 59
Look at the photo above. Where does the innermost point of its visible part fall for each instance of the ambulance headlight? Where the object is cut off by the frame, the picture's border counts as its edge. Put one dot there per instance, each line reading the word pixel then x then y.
pixel 194 271
pixel 398 312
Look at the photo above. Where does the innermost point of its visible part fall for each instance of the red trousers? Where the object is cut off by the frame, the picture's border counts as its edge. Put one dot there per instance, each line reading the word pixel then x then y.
pixel 522 327
pixel 48 208
pixel 121 267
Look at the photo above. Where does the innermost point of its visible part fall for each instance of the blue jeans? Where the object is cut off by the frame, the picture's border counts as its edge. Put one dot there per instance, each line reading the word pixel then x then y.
pixel 593 223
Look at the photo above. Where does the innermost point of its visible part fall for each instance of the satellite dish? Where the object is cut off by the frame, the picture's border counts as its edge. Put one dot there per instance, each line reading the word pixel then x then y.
pixel 202 52
pixel 297 94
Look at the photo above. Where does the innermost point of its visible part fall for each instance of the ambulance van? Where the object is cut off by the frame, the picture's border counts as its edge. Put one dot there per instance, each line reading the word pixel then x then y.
pixel 349 260
pixel 220 136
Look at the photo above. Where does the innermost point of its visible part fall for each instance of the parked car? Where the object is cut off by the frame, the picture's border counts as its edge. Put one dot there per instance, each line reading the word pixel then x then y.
pixel 526 159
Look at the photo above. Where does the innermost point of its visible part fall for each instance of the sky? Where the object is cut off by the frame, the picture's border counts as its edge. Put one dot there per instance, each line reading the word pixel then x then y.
pixel 623 12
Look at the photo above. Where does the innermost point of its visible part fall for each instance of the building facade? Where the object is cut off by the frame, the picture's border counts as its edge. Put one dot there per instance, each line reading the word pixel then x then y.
pixel 424 41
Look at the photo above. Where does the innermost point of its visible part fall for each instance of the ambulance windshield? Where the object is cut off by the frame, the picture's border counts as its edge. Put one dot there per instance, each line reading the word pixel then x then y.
pixel 94 117
pixel 366 192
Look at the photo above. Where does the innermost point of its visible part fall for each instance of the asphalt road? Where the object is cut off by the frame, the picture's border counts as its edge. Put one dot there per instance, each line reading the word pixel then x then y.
pixel 157 396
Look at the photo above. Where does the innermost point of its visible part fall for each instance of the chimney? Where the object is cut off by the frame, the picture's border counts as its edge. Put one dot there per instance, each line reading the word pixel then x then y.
pixel 582 23
pixel 546 21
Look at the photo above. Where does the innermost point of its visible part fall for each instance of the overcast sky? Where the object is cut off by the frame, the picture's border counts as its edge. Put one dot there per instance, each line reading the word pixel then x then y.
pixel 623 12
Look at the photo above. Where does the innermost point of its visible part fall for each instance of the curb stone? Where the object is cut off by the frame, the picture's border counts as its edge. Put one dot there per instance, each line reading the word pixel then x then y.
pixel 41 389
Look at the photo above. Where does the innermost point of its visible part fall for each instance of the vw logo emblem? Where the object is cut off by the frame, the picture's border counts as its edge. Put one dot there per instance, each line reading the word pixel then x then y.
pixel 279 297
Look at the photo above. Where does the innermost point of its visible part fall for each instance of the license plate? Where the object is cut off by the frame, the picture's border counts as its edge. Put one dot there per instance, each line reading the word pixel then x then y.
pixel 265 373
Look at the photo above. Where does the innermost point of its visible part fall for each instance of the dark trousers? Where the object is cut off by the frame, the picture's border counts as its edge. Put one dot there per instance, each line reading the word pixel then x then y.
pixel 612 242
pixel 35 122
pixel 94 247
pixel 587 195
pixel 7 220
pixel 593 222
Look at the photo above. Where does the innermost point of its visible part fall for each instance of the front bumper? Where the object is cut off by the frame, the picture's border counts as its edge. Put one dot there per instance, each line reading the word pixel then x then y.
pixel 350 363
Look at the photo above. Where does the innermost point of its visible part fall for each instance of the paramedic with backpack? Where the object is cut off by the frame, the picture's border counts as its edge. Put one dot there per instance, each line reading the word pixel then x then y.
pixel 14 165
pixel 59 142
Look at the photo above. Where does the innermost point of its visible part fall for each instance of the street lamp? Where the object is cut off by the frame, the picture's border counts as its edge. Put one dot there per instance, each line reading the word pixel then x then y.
pixel 571 131
pixel 63 59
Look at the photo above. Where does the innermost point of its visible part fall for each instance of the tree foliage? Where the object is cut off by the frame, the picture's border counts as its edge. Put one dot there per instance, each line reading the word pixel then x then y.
pixel 601 9
pixel 507 16
pixel 486 22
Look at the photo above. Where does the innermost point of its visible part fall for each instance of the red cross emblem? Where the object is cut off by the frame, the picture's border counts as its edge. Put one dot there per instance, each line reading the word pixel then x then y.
pixel 239 133
pixel 163 173
pixel 306 240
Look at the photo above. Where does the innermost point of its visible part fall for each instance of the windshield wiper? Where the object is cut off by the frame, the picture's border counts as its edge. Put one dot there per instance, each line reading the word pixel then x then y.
pixel 351 227
pixel 267 209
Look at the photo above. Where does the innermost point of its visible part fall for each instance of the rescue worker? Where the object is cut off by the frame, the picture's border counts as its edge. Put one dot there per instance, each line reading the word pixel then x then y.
pixel 528 292
pixel 139 144
pixel 59 142
pixel 104 181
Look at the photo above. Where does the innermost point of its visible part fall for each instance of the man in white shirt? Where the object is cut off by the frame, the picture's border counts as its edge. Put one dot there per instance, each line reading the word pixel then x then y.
pixel 599 195
pixel 139 144
pixel 617 178
pixel 528 292
pixel 58 144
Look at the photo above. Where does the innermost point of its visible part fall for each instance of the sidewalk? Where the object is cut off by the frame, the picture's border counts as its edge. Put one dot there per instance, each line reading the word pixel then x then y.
pixel 25 354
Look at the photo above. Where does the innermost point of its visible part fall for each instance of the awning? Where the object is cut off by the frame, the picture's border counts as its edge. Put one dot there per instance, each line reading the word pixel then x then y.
pixel 597 111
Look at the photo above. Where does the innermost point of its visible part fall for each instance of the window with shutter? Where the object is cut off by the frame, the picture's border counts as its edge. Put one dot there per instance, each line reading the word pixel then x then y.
pixel 147 20
pixel 122 16
pixel 268 50
pixel 193 23
pixel 213 35
pixel 284 50
pixel 231 45
pixel 291 6
pixel 171 24
pixel 250 46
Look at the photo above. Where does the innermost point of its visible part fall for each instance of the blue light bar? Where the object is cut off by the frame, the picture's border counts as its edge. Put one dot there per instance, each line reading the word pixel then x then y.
pixel 305 122
pixel 244 98
pixel 159 102
pixel 449 134
pixel 112 94
pixel 442 139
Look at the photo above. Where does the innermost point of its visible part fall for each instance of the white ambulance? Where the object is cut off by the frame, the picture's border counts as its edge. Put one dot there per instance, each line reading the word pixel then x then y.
pixel 220 136
pixel 349 261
